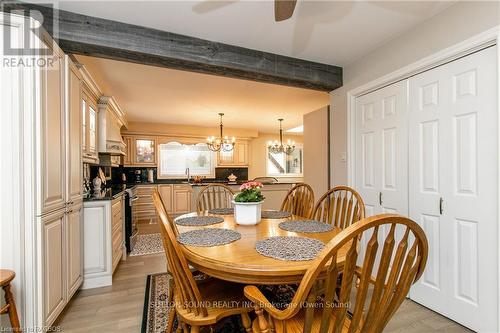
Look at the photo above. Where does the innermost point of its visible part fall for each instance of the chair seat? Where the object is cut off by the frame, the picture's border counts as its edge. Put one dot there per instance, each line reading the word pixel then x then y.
pixel 296 324
pixel 221 299
pixel 6 276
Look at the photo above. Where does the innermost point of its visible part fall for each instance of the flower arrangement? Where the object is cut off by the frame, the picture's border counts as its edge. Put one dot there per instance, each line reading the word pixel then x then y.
pixel 250 192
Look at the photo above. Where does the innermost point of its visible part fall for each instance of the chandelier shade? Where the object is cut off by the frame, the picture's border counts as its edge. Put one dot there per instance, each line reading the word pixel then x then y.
pixel 222 143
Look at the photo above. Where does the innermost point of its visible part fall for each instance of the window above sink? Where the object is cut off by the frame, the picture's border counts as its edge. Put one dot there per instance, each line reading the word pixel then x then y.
pixel 175 158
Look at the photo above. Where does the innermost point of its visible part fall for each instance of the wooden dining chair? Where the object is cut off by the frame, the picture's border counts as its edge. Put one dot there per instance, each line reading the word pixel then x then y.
pixel 214 196
pixel 341 206
pixel 299 200
pixel 368 297
pixel 6 277
pixel 201 303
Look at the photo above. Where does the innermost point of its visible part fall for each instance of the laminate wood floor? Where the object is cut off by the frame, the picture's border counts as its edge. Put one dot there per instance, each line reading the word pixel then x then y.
pixel 118 308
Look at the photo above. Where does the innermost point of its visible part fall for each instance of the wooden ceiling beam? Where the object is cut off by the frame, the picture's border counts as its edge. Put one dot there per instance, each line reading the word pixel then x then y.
pixel 92 36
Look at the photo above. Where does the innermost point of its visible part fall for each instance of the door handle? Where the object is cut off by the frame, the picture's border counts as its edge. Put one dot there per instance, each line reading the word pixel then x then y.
pixel 380 202
pixel 441 202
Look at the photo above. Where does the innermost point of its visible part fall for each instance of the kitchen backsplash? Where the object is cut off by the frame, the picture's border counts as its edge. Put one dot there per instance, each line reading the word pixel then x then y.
pixel 130 174
pixel 223 173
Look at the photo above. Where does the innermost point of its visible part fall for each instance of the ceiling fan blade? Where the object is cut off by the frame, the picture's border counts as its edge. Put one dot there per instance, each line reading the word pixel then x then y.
pixel 283 9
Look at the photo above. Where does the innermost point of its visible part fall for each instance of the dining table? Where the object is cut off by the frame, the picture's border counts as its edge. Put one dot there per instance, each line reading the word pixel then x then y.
pixel 240 262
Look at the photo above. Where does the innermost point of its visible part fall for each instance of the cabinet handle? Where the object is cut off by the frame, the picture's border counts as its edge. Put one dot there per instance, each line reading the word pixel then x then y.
pixel 70 211
pixel 441 209
pixel 380 202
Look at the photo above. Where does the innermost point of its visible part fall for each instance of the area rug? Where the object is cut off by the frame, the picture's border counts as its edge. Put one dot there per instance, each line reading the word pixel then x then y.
pixel 147 244
pixel 155 317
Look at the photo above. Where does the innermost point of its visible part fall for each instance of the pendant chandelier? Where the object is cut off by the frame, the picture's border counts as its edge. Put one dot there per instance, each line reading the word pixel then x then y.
pixel 277 147
pixel 222 143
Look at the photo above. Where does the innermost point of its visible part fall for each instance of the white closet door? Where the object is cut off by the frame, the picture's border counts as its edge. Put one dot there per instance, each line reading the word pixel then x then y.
pixel 381 149
pixel 453 187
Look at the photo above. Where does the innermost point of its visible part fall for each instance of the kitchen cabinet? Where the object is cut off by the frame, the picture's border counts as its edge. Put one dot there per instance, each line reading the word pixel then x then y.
pixel 43 209
pixel 144 151
pixel 54 294
pixel 74 248
pixel 74 130
pixel 177 199
pixel 166 196
pixel 128 151
pixel 60 211
pixel 239 156
pixel 103 241
pixel 143 206
pixel 52 145
pixel 117 239
pixel 181 201
pixel 90 97
pixel 140 151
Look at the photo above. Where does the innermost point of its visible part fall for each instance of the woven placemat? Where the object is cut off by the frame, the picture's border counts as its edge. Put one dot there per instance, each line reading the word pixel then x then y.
pixel 199 221
pixel 208 237
pixel 275 214
pixel 221 211
pixel 289 248
pixel 307 226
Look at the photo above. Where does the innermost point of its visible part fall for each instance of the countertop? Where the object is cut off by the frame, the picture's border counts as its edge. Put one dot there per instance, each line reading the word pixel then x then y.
pixel 115 191
pixel 205 182
pixel 108 193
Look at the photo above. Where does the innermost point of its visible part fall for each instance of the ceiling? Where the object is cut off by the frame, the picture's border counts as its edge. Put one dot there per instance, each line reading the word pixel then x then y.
pixel 161 95
pixel 330 32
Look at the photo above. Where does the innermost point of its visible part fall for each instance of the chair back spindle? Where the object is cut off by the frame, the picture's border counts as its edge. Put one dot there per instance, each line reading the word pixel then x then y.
pixel 368 295
pixel 214 196
pixel 299 200
pixel 341 206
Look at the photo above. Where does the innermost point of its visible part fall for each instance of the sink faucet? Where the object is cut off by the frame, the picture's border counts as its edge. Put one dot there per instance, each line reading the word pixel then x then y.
pixel 188 173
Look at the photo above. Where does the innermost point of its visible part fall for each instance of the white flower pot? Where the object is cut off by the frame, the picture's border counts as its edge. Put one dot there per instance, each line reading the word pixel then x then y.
pixel 247 213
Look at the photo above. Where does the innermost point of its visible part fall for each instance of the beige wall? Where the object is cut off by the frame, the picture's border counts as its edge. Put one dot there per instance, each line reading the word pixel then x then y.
pixel 185 130
pixel 257 141
pixel 258 146
pixel 316 150
pixel 457 23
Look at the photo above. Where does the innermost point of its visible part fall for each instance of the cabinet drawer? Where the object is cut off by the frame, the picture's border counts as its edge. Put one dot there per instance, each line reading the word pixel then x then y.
pixel 183 187
pixel 145 189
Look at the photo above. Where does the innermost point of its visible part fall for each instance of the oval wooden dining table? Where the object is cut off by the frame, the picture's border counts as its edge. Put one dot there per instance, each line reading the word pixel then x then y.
pixel 240 262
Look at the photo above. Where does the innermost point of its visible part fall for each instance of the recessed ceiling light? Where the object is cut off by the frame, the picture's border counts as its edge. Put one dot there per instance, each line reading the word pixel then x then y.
pixel 298 129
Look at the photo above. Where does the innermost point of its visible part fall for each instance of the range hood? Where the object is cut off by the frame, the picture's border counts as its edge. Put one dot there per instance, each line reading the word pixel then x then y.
pixel 111 120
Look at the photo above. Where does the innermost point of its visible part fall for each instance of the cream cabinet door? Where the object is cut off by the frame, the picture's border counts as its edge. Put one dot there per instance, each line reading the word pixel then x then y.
pixel 53 265
pixel 166 196
pixel 74 249
pixel 52 143
pixel 236 157
pixel 73 133
pixel 241 153
pixel 92 130
pixel 182 199
pixel 127 159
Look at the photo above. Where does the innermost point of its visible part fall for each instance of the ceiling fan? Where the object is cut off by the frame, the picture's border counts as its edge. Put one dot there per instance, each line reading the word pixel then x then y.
pixel 283 9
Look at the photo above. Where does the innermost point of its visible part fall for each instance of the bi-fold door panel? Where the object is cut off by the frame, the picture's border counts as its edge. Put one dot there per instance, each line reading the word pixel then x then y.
pixel 381 149
pixel 453 187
